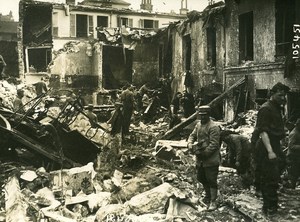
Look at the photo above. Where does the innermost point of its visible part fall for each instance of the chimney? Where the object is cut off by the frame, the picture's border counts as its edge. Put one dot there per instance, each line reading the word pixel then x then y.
pixel 184 10
pixel 147 5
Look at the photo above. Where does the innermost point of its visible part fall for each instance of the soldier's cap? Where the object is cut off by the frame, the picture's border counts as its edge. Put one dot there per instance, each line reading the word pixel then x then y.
pixel 280 86
pixel 204 109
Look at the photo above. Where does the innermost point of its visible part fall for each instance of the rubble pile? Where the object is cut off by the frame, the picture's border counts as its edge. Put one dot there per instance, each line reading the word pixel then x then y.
pixel 139 178
pixel 8 92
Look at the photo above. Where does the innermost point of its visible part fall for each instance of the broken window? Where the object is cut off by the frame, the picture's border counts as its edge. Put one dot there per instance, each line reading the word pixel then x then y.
pixel 149 24
pixel 187 49
pixel 38 59
pixel 246 36
pixel 211 46
pixel 261 96
pixel 285 17
pixel 125 22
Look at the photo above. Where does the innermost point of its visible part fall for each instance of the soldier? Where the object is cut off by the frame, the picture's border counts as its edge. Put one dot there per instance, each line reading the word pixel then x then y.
pixel 205 143
pixel 268 151
pixel 127 98
pixel 239 154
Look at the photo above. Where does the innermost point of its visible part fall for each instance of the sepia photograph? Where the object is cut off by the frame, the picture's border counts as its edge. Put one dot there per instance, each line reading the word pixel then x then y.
pixel 149 110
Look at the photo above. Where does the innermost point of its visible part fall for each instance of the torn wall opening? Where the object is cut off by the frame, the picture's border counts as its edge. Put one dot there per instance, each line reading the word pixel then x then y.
pixel 38 59
pixel 37 36
pixel 37 24
pixel 117 66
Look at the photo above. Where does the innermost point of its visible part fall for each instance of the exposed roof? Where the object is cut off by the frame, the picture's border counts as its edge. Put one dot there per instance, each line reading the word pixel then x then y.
pixel 119 2
pixel 8 26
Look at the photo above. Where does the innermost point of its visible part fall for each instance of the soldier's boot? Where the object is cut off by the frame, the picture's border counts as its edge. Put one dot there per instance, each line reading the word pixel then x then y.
pixel 213 203
pixel 207 196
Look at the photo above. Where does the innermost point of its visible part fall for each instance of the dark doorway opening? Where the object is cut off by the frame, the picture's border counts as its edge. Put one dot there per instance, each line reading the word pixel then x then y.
pixel 187 49
pixel 117 67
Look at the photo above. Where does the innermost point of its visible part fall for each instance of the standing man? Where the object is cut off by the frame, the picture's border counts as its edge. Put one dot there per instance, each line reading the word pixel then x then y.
pixel 40 87
pixel 268 152
pixel 174 109
pixel 294 155
pixel 188 104
pixel 127 98
pixel 205 143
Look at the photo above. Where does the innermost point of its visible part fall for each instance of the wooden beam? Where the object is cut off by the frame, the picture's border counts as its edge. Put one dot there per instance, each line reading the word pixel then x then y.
pixel 15 206
pixel 172 132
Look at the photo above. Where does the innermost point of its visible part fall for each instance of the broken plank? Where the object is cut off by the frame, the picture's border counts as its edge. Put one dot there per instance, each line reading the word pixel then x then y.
pixel 173 143
pixel 15 205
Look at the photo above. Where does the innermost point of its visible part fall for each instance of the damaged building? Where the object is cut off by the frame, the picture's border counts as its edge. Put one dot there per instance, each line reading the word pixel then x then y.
pixel 8 44
pixel 260 42
pixel 94 44
pixel 238 50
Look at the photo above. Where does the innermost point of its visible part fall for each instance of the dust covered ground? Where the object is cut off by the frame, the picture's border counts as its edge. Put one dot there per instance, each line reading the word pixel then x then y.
pixel 138 179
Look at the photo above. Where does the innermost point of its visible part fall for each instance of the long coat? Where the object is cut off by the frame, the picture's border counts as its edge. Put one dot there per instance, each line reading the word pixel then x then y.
pixel 208 138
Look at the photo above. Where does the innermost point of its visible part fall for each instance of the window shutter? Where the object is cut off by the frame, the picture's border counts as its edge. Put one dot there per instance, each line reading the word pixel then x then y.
pixel 130 22
pixel 119 21
pixel 55 24
pixel 73 25
pixel 156 24
pixel 91 25
pixel 141 23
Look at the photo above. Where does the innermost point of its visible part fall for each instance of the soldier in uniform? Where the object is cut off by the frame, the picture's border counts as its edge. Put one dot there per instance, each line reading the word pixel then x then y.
pixel 205 143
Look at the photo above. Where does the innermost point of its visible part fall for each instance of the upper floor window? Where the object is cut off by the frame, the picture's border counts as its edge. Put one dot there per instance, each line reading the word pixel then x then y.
pixel 102 21
pixel 127 22
pixel 246 36
pixel 285 17
pixel 211 46
pixel 149 24
pixel 81 25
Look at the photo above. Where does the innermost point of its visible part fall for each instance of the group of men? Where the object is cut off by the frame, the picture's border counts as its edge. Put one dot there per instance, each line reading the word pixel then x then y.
pixel 185 101
pixel 269 158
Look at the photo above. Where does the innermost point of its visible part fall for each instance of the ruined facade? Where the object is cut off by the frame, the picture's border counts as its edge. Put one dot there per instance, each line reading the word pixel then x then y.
pixel 250 40
pixel 198 54
pixel 87 45
pixel 259 45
